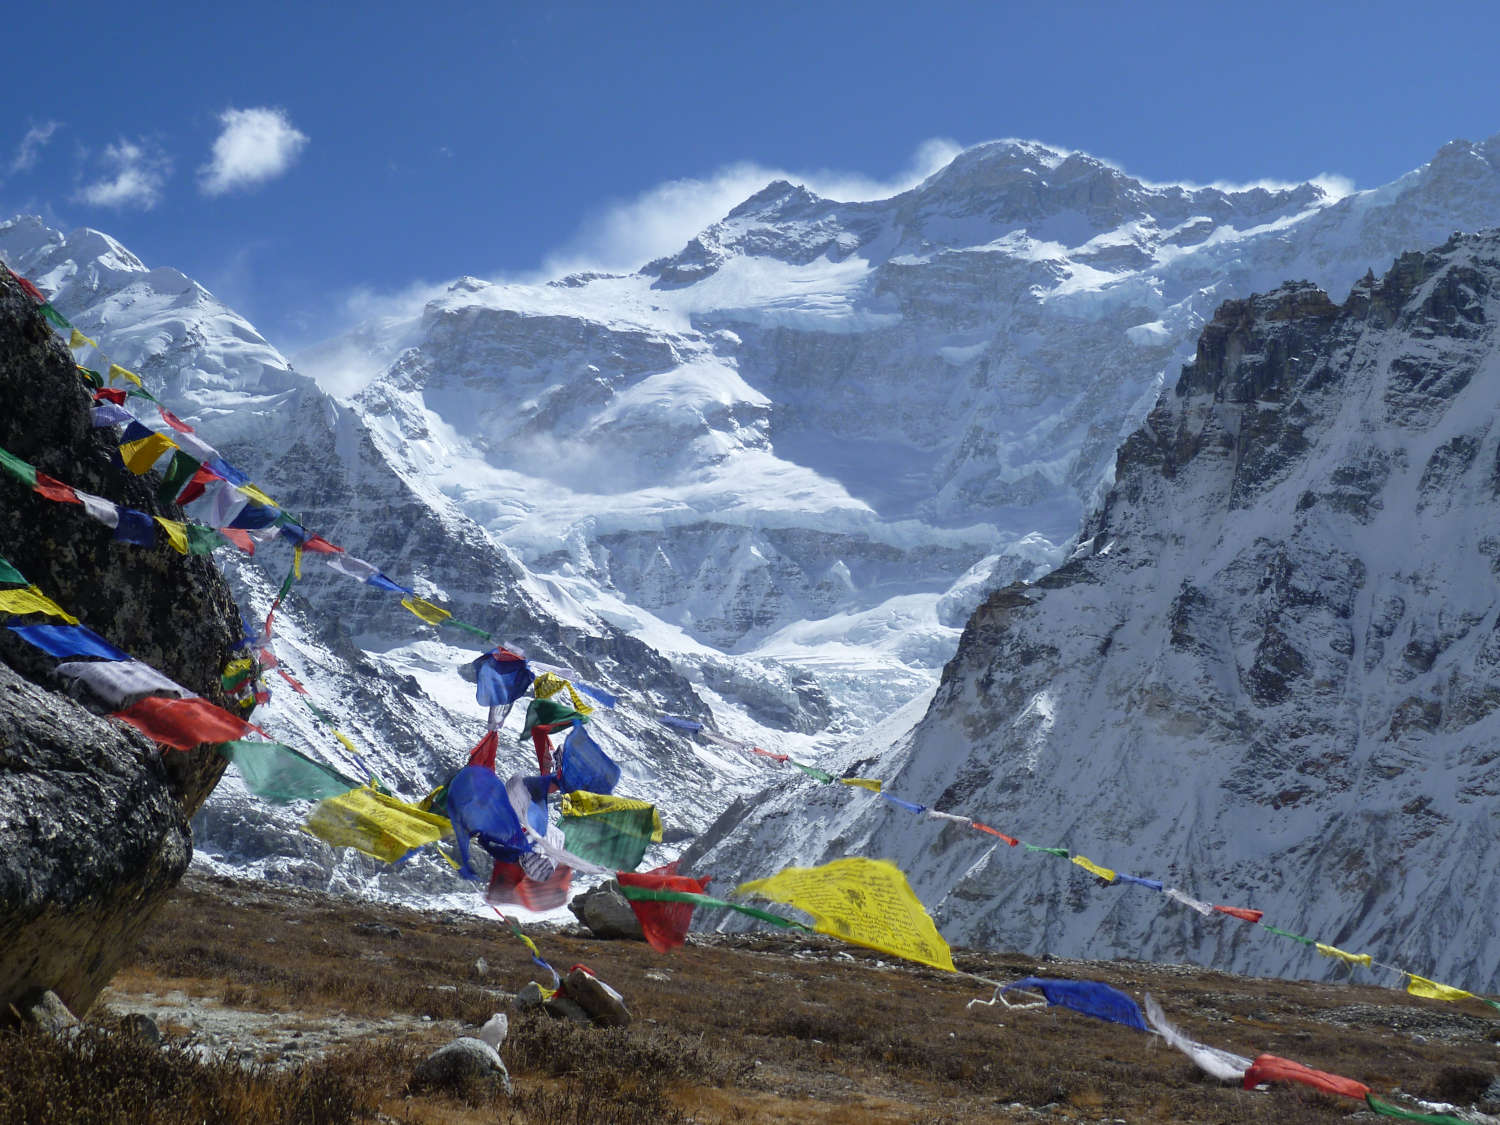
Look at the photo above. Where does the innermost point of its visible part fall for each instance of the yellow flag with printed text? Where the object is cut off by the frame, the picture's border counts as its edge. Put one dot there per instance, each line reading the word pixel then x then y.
pixel 375 824
pixel 549 684
pixel 863 901
pixel 1421 986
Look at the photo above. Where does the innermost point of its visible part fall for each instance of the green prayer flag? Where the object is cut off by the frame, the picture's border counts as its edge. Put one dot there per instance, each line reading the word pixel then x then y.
pixel 23 471
pixel 90 376
pixel 1285 934
pixel 10 576
pixel 1061 852
pixel 648 894
pixel 286 584
pixel 546 713
pixel 279 774
pixel 180 470
pixel 813 771
pixel 617 839
pixel 204 540
pixel 457 624
pixel 54 316
pixel 1388 1110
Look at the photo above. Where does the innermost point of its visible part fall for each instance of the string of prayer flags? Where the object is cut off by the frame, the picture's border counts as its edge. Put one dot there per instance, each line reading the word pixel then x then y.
pixel 864 901
pixel 478 804
pixel 28 600
pixel 1385 1109
pixel 612 831
pixel 120 683
pixel 650 894
pixel 663 923
pixel 1272 1068
pixel 869 783
pixel 432 614
pixel 1421 986
pixel 183 723
pixel 1223 1065
pixel 1187 900
pixel 1087 997
pixel 1094 869
pixel 1242 913
pixel 583 766
pixel 281 775
pixel 1348 958
pixel 67 641
pixel 376 824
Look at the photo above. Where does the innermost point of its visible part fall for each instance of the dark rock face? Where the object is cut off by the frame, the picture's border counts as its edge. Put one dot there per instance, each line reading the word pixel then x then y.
pixel 93 817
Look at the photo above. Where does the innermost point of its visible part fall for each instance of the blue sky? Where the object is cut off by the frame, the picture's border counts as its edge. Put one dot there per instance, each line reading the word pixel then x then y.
pixel 363 149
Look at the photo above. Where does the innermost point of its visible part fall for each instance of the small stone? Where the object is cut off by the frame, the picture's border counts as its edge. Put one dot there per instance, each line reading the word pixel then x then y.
pixel 529 997
pixel 141 1026
pixel 561 1008
pixel 51 1014
pixel 462 1061
pixel 604 1005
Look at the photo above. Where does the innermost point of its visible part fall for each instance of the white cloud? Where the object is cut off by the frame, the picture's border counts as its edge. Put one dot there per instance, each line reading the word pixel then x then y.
pixel 31 145
pixel 135 174
pixel 626 234
pixel 255 145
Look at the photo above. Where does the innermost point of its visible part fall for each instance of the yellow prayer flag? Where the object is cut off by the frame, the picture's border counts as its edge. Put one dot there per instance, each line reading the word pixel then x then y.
pixel 1089 865
pixel 1348 958
pixel 549 684
pixel 375 824
pixel 256 496
pixel 349 746
pixel 432 614
pixel 869 783
pixel 176 533
pixel 118 372
pixel 297 561
pixel 79 340
pixel 140 455
pixel 31 600
pixel 864 901
pixel 581 803
pixel 1421 986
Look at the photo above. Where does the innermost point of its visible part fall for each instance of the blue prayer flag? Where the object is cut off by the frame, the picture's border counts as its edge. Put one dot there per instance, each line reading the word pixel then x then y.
pixel 478 804
pixel 66 641
pixel 1154 884
pixel 253 517
pixel 907 805
pixel 598 694
pixel 135 527
pixel 1090 997
pixel 583 765
pixel 680 724
pixel 380 581
pixel 501 680
pixel 223 468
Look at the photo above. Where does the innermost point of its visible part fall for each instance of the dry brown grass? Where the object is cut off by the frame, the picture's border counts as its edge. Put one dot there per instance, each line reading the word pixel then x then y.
pixel 769 1028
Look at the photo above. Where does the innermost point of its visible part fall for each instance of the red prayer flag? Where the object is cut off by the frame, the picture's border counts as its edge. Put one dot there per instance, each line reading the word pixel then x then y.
pixel 543 746
pixel 285 675
pixel 1242 912
pixel 115 395
pixel 172 420
pixel 320 545
pixel 768 754
pixel 240 539
pixel 197 484
pixel 183 723
pixel 1011 840
pixel 55 489
pixel 483 753
pixel 509 884
pixel 665 924
pixel 32 290
pixel 1270 1068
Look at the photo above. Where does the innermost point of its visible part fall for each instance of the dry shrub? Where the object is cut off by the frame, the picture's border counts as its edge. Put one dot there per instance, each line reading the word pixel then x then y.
pixel 561 1048
pixel 602 1099
pixel 94 1078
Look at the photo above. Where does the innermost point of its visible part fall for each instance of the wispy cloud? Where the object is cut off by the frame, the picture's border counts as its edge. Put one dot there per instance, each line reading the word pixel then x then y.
pixel 253 146
pixel 134 174
pixel 31 146
pixel 625 234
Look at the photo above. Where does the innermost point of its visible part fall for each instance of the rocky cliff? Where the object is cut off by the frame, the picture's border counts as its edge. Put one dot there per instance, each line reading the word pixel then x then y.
pixel 93 817
pixel 1268 677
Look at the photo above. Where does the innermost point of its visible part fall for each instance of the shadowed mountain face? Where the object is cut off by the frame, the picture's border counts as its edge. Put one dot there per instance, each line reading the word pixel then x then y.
pixel 1267 675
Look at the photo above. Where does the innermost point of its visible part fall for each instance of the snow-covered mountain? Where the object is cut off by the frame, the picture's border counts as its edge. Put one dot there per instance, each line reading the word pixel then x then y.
pixel 1268 675
pixel 767 477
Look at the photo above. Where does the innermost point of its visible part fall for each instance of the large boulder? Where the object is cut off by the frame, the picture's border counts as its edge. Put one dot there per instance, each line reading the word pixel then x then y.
pixel 606 913
pixel 93 816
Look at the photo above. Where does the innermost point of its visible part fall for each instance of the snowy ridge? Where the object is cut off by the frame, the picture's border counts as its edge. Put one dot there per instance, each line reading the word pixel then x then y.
pixel 1266 677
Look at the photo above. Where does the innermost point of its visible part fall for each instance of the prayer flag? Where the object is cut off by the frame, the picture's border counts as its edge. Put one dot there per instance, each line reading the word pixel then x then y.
pixel 22 602
pixel 1288 934
pixel 135 527
pixel 510 884
pixel 202 477
pixel 869 783
pixel 100 509
pixel 432 614
pixel 1188 901
pixel 55 490
pixel 651 894
pixel 549 684
pixel 375 824
pixel 1011 840
pixel 256 496
pixel 31 290
pixel 10 576
pixel 614 832
pixel 483 753
pixel 180 472
pixel 203 540
pixel 252 517
pixel 813 771
pixel 1270 1068
pixel 1093 868
pixel 349 565
pixel 1223 1065
pixel 547 713
pixel 142 453
pixel 381 582
pixel 279 774
pixel 583 766
pixel 108 414
pixel 67 641
pixel 118 372
pixel 1385 1109
pixel 119 683
pixel 1061 853
pixel 1087 997
pixel 78 340
pixel 1154 884
pixel 864 901
pixel 214 461
pixel 183 723
pixel 909 806
pixel 23 471
pixel 1241 913
pixel 680 724
pixel 1348 958
pixel 56 318
pixel 110 394
pixel 1417 986
pixel 664 924
pixel 176 533
pixel 172 420
pixel 479 804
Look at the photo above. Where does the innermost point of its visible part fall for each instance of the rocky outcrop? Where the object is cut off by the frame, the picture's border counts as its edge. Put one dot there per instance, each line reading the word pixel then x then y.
pixel 93 817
